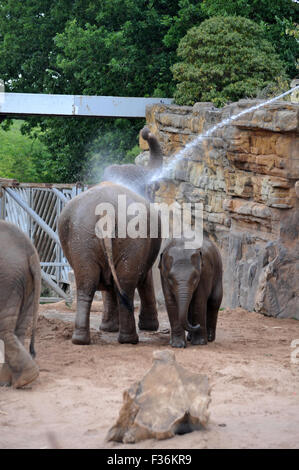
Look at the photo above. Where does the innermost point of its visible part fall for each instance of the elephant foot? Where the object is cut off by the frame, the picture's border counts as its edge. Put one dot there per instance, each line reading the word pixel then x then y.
pixel 125 338
pixel 109 326
pixel 148 320
pixel 211 335
pixel 81 337
pixel 198 340
pixel 27 376
pixel 148 324
pixel 5 376
pixel 178 342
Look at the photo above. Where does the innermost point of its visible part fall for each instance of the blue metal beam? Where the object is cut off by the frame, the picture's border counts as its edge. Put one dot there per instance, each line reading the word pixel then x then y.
pixel 13 104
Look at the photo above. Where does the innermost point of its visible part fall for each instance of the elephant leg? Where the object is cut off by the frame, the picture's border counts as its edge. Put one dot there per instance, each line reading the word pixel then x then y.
pixel 5 375
pixel 127 326
pixel 198 310
pixel 148 316
pixel 86 287
pixel 24 319
pixel 19 368
pixel 214 303
pixel 110 319
pixel 177 334
pixel 23 368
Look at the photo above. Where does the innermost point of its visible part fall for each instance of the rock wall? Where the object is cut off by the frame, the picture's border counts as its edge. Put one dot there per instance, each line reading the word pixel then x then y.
pixel 245 175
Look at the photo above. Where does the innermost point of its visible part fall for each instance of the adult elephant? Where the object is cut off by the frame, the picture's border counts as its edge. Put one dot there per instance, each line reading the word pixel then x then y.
pixel 116 265
pixel 135 177
pixel 20 281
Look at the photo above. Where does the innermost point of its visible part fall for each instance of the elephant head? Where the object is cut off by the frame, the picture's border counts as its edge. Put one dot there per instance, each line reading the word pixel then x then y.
pixel 180 270
pixel 136 177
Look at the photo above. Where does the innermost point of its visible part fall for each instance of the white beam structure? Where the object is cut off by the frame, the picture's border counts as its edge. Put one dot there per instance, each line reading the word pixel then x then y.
pixel 23 104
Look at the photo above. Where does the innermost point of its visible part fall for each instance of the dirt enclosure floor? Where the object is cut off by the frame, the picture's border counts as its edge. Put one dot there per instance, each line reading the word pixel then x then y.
pixel 78 395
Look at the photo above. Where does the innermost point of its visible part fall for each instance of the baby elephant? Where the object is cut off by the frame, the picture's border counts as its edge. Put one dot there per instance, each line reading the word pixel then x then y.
pixel 192 287
pixel 20 280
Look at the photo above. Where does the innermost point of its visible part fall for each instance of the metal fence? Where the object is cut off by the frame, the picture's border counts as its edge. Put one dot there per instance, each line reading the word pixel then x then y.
pixel 35 209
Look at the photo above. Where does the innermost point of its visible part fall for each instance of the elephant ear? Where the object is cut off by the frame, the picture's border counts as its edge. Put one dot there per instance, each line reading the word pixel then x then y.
pixel 167 262
pixel 197 258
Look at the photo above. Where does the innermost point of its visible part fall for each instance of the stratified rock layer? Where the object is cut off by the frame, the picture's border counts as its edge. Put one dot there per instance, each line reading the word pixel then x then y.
pixel 169 400
pixel 245 176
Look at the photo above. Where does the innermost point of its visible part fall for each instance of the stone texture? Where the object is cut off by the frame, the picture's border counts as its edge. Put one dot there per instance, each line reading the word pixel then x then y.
pixel 169 400
pixel 245 176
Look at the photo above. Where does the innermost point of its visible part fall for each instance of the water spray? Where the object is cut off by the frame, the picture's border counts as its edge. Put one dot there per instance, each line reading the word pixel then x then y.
pixel 158 175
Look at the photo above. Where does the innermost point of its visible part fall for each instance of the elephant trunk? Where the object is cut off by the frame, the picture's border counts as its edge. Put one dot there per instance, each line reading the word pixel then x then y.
pixel 183 301
pixel 156 155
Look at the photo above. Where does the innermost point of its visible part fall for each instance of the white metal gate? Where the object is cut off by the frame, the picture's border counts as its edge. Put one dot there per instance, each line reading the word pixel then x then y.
pixel 35 209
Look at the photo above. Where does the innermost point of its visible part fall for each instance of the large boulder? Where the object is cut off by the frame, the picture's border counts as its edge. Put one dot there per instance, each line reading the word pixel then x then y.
pixel 169 400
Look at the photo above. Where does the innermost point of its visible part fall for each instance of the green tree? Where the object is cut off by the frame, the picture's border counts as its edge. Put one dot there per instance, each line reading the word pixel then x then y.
pixel 98 47
pixel 224 59
pixel 20 155
pixel 275 16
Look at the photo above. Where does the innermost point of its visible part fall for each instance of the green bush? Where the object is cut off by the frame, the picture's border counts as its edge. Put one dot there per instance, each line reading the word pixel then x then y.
pixel 225 59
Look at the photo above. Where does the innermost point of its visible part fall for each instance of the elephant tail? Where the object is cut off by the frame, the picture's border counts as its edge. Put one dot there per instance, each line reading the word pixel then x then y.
pixel 121 293
pixel 156 155
pixel 36 275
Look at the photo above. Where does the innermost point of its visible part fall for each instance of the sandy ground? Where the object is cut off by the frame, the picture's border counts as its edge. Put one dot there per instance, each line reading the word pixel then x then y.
pixel 78 395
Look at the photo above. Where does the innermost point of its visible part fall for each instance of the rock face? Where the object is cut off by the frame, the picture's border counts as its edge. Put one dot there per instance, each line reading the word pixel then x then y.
pixel 169 400
pixel 245 176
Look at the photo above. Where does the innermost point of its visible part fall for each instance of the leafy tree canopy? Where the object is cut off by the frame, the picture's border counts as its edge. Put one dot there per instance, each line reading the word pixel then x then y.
pixel 99 47
pixel 275 16
pixel 107 47
pixel 224 59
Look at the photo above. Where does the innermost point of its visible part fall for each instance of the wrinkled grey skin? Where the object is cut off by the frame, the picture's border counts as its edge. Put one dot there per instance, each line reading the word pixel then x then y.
pixel 20 281
pixel 116 266
pixel 136 177
pixel 192 286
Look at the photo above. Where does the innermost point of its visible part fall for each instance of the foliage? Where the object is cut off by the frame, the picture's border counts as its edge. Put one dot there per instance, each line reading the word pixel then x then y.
pixel 293 30
pixel 20 156
pixel 224 59
pixel 188 14
pixel 27 56
pixel 275 16
pixel 99 47
pixel 108 47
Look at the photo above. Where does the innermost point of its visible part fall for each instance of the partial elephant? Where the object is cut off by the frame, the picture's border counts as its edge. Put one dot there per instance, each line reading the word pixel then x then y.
pixel 116 265
pixel 20 281
pixel 134 177
pixel 192 286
